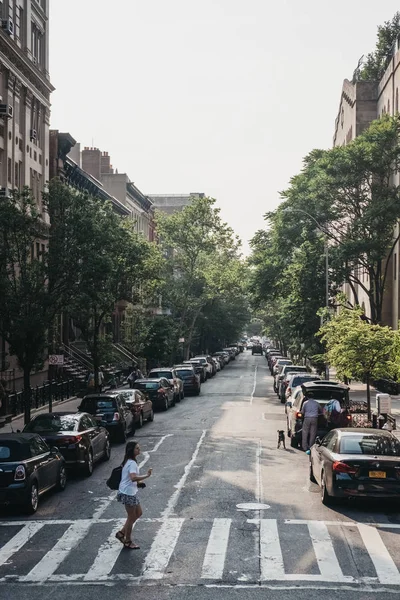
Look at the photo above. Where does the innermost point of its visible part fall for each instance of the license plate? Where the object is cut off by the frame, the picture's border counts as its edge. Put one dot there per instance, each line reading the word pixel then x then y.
pixel 377 474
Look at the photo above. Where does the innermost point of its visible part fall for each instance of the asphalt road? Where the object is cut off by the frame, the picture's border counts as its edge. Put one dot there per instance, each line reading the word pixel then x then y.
pixel 210 454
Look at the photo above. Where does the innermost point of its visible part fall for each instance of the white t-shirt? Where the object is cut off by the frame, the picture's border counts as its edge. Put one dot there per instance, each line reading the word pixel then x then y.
pixel 127 486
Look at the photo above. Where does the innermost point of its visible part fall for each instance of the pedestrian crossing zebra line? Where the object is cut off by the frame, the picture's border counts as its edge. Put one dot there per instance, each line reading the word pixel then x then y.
pixel 156 565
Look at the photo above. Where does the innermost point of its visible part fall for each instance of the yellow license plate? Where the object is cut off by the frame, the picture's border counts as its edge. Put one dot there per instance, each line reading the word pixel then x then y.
pixel 377 474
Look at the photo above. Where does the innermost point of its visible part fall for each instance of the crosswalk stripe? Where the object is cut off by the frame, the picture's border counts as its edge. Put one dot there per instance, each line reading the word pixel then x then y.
pixel 271 559
pixel 161 549
pixel 214 560
pixel 18 541
pixel 106 557
pixel 384 565
pixel 52 560
pixel 324 552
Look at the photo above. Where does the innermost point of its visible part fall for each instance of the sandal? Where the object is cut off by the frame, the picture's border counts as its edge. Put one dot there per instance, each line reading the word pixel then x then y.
pixel 131 546
pixel 120 537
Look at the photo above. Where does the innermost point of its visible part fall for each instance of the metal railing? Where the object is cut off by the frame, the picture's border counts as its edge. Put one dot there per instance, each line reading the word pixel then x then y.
pixel 78 356
pixel 53 391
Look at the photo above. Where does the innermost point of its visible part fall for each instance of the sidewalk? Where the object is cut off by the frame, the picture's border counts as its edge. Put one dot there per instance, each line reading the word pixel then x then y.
pixel 358 391
pixel 69 405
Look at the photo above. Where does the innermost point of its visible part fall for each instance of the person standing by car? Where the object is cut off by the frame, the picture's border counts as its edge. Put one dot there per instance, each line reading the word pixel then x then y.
pixel 135 374
pixel 311 411
pixel 127 493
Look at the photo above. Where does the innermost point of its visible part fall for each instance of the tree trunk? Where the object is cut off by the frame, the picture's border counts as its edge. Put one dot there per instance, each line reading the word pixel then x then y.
pixel 95 356
pixel 191 330
pixel 27 395
pixel 368 398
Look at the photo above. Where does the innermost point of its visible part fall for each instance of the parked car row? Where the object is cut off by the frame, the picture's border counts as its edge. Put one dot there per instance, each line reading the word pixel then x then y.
pixel 37 459
pixel 345 461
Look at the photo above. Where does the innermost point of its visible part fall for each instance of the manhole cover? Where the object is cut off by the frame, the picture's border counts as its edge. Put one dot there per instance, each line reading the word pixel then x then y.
pixel 252 506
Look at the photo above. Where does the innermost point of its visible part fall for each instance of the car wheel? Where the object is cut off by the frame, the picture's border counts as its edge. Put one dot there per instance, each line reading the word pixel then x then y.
pixel 88 468
pixel 312 478
pixel 177 398
pixel 182 395
pixel 151 417
pixel 140 422
pixel 107 450
pixel 325 497
pixel 198 391
pixel 33 499
pixel 165 407
pixel 62 479
pixel 293 441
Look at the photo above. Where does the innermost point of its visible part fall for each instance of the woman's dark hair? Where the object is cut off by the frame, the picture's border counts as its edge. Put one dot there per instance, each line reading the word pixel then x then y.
pixel 129 452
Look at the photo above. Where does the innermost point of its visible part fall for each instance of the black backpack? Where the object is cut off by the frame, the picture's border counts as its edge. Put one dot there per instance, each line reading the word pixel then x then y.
pixel 115 478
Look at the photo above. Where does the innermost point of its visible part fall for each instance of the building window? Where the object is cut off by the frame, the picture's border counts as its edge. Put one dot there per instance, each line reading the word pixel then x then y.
pixel 11 9
pixel 395 266
pixel 388 107
pixel 9 170
pixel 16 175
pixel 1 11
pixel 37 44
pixel 397 100
pixel 19 21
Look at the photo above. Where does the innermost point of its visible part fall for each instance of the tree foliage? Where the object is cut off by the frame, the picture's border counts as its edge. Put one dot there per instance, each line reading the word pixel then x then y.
pixel 203 265
pixel 376 61
pixel 359 350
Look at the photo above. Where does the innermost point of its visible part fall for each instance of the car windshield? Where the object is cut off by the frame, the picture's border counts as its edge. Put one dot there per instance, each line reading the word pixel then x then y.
pixel 53 423
pixel 299 379
pixel 147 385
pixel 11 451
pixel 283 362
pixel 166 374
pixel 98 404
pixel 185 372
pixel 378 445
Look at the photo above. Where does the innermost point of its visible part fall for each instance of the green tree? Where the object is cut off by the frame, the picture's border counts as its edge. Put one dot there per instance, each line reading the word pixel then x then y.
pixel 358 349
pixel 28 304
pixel 203 263
pixel 377 61
pixel 113 262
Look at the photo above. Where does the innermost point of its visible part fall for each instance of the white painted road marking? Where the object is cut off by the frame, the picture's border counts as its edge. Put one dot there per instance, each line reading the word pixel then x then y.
pixel 384 573
pixel 106 557
pixel 162 548
pixel 328 563
pixel 271 559
pixel 168 512
pixel 254 385
pixel 385 568
pixel 214 560
pixel 19 540
pixel 52 560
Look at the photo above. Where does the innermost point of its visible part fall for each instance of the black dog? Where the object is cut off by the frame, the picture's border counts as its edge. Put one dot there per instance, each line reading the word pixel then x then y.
pixel 281 438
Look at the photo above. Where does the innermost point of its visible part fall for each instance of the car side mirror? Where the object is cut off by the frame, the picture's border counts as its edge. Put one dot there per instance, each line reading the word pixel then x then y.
pixel 54 450
pixel 318 441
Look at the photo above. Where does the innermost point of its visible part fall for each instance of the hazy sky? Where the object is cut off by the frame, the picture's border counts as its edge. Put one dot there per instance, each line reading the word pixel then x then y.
pixel 217 96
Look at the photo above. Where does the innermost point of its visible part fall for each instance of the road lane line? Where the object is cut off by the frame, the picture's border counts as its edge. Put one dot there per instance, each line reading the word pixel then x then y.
pixel 384 565
pixel 259 488
pixel 54 557
pixel 214 560
pixel 106 557
pixel 181 483
pixel 328 563
pixel 271 559
pixel 19 540
pixel 161 549
pixel 254 385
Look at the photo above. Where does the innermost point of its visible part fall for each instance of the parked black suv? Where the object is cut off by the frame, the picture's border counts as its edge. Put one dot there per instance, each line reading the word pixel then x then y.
pixel 111 411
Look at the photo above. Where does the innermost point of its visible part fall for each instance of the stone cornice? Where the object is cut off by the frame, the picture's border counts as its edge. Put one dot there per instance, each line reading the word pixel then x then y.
pixel 14 59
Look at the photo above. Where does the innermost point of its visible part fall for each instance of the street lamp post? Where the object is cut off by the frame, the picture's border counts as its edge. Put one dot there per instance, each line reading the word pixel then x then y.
pixel 326 248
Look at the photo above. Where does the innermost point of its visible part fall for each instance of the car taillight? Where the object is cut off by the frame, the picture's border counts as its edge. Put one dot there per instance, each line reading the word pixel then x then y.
pixel 71 440
pixel 299 415
pixel 289 390
pixel 20 473
pixel 341 467
pixel 116 416
pixel 348 417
